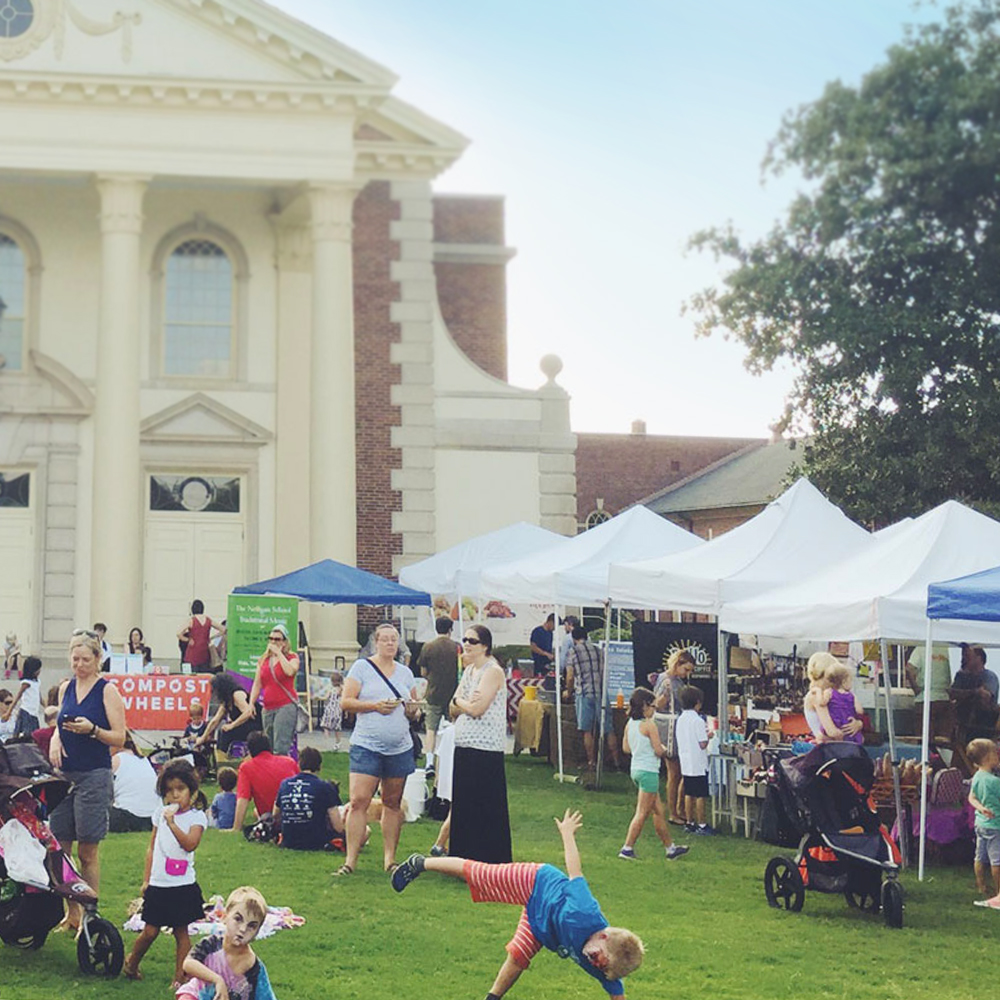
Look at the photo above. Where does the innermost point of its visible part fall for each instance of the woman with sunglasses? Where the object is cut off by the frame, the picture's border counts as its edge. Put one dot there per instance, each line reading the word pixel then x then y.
pixel 379 691
pixel 275 679
pixel 91 720
pixel 480 824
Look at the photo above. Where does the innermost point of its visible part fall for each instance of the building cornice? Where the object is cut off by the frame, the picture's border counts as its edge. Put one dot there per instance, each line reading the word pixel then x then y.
pixel 348 99
pixel 473 253
pixel 286 40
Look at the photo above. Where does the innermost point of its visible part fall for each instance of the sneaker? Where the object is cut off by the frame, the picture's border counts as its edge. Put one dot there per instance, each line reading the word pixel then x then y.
pixel 437 851
pixel 705 830
pixel 627 853
pixel 429 770
pixel 676 850
pixel 407 872
pixel 690 828
pixel 993 903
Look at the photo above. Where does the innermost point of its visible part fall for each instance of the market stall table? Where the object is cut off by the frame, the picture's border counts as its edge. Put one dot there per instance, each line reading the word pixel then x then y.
pixel 532 727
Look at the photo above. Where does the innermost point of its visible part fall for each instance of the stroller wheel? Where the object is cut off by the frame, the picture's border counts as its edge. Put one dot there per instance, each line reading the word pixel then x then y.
pixel 783 885
pixel 865 901
pixel 892 904
pixel 30 943
pixel 100 949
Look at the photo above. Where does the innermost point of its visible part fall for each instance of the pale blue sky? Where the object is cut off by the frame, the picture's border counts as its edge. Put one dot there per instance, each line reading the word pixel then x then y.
pixel 615 130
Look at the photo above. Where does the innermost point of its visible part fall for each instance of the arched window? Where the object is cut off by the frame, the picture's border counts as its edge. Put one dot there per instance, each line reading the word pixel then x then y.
pixel 13 285
pixel 596 517
pixel 199 311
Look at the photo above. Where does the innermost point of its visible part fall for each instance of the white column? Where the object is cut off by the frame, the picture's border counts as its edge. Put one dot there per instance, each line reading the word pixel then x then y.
pixel 116 547
pixel 333 489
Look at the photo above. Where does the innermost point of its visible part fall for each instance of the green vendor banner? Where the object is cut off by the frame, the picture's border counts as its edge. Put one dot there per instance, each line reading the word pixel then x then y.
pixel 248 623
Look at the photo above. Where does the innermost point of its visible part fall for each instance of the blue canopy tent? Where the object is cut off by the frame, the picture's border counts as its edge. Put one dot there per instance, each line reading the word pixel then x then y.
pixel 330 582
pixel 972 598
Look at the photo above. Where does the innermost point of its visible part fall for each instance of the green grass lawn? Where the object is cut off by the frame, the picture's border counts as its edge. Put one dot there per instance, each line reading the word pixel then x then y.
pixel 707 928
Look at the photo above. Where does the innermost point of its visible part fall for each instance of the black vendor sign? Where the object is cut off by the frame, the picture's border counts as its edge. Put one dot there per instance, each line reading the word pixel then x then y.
pixel 653 642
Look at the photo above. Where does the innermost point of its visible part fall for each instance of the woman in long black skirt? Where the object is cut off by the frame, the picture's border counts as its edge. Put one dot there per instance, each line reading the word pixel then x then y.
pixel 480 824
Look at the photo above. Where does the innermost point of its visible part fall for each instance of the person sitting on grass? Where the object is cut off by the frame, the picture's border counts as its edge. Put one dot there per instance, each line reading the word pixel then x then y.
pixel 259 778
pixel 560 913
pixel 308 807
pixel 226 968
pixel 222 813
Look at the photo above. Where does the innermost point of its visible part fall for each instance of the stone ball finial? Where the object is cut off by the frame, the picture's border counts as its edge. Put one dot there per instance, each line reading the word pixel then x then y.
pixel 551 366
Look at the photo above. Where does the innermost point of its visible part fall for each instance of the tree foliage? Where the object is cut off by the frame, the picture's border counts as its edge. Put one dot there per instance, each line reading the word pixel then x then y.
pixel 882 284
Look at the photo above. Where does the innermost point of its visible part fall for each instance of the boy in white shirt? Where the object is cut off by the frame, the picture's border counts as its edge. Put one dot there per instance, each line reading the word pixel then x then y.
pixel 691 736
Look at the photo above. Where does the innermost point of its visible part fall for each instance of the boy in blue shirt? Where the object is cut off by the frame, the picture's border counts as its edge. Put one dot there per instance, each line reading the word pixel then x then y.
pixel 560 913
pixel 223 808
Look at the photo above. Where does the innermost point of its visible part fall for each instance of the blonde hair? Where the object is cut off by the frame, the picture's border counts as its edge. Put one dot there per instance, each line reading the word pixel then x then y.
pixel 819 664
pixel 252 899
pixel 625 950
pixel 978 750
pixel 94 645
pixel 679 656
pixel 838 675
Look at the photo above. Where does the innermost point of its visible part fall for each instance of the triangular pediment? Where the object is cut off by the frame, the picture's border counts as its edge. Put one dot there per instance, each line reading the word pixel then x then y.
pixel 239 41
pixel 199 419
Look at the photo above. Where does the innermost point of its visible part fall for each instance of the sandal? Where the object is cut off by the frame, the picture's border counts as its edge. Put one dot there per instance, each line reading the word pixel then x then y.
pixel 344 869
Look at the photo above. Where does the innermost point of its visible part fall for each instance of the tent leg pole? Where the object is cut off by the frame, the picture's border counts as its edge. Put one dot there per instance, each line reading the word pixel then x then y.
pixel 896 794
pixel 925 740
pixel 723 707
pixel 603 702
pixel 557 649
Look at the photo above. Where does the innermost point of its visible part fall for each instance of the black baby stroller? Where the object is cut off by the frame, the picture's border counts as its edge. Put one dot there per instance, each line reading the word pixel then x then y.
pixel 843 846
pixel 29 791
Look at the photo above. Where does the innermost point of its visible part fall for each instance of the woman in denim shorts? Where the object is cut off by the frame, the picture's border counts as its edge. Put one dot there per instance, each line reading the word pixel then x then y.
pixel 91 720
pixel 381 744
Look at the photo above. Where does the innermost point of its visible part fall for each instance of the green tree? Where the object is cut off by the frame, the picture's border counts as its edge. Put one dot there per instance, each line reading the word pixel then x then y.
pixel 882 284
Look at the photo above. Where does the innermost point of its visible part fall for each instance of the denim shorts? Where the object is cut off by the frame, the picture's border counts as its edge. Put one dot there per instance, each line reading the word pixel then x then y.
pixel 988 847
pixel 381 765
pixel 83 815
pixel 586 713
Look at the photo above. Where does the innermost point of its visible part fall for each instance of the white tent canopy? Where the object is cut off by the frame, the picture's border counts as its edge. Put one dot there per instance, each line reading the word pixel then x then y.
pixel 793 536
pixel 881 591
pixel 574 571
pixel 455 572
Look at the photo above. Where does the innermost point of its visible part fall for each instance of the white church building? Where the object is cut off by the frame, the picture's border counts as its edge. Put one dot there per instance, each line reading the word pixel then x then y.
pixel 240 331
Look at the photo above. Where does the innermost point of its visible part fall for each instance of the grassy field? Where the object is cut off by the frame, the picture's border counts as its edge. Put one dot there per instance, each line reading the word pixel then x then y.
pixel 707 927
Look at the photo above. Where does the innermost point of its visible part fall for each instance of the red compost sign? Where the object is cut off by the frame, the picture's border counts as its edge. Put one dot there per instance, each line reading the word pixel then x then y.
pixel 160 701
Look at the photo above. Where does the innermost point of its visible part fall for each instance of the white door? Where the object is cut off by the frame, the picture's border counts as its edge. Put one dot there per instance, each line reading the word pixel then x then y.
pixel 17 575
pixel 188 555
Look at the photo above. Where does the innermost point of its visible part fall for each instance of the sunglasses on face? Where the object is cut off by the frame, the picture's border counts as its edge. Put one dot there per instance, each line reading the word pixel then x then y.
pixel 276 638
pixel 472 641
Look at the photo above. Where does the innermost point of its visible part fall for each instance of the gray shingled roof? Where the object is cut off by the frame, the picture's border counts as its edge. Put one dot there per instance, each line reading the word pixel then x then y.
pixel 753 476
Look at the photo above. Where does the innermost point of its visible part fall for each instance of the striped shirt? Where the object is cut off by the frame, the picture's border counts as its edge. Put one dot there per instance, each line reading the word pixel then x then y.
pixel 584 660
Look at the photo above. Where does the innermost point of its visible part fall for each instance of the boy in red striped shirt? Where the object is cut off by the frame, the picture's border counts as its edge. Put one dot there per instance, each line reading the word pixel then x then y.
pixel 560 913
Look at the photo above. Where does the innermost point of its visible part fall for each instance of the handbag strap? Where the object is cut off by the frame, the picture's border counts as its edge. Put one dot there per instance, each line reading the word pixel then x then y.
pixel 392 687
pixel 292 700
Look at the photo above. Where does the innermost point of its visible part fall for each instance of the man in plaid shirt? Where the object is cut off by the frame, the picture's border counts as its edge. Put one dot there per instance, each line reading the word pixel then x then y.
pixel 584 672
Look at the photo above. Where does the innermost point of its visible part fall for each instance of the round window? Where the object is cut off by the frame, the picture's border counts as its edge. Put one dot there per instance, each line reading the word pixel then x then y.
pixel 16 17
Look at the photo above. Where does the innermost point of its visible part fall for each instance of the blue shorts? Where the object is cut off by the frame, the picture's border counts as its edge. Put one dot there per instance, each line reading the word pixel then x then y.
pixel 988 847
pixel 381 765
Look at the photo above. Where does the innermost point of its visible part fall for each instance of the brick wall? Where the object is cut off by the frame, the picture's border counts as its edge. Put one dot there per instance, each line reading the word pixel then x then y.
pixel 473 296
pixel 374 292
pixel 712 523
pixel 623 468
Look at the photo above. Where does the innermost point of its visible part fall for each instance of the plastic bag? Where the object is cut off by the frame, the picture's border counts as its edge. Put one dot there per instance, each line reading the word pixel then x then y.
pixel 23 856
